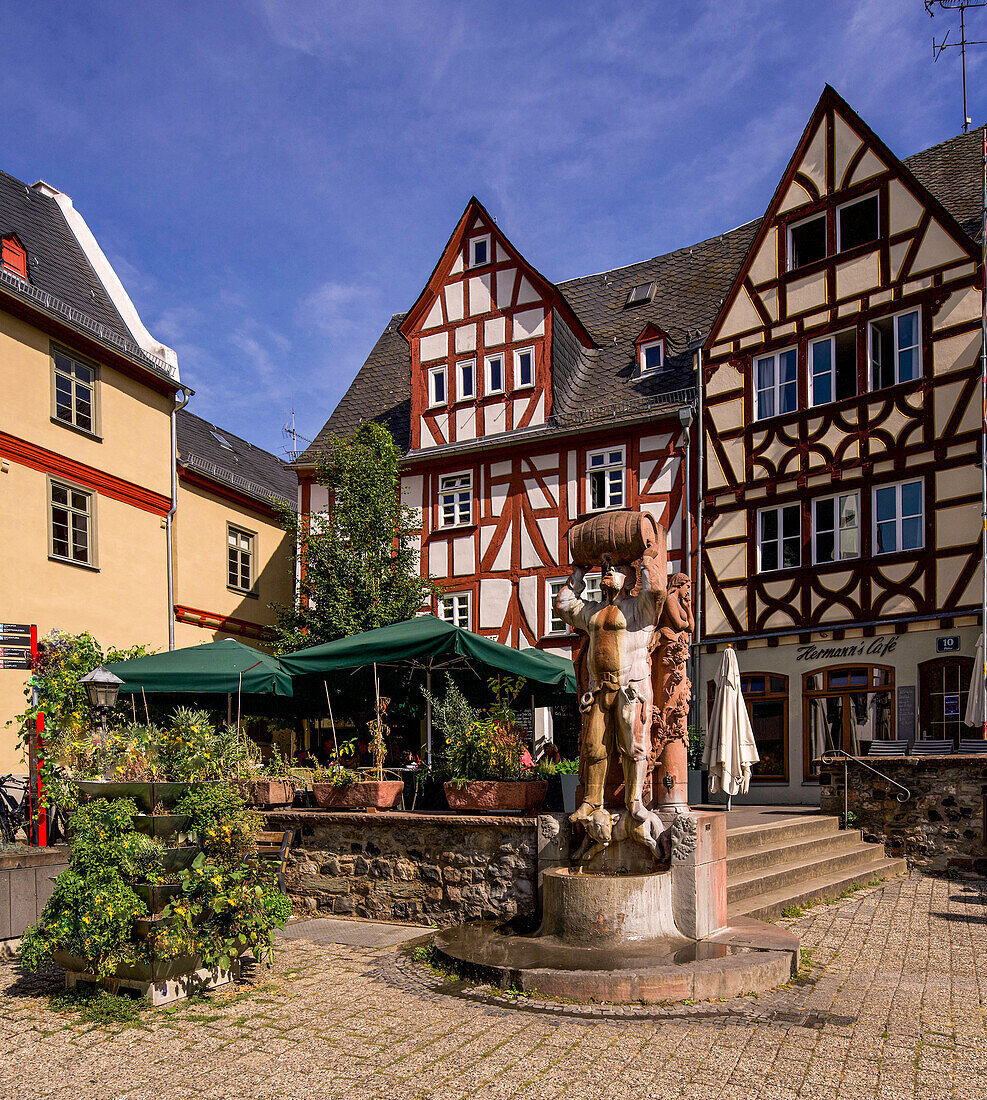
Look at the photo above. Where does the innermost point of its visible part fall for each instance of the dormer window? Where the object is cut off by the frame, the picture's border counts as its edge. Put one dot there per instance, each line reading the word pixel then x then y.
pixel 807 241
pixel 437 386
pixel 651 355
pixel 856 223
pixel 479 251
pixel 13 257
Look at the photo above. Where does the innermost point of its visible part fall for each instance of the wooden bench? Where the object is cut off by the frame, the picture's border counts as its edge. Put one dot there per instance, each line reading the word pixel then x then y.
pixel 274 846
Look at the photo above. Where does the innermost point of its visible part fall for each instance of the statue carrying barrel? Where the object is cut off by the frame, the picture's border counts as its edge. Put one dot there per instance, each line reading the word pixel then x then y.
pixel 631 672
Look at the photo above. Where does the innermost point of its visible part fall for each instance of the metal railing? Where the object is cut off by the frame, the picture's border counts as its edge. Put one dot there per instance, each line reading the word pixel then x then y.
pixel 837 756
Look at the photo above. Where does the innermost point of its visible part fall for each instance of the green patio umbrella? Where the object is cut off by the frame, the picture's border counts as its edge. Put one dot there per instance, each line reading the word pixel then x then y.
pixel 226 667
pixel 431 644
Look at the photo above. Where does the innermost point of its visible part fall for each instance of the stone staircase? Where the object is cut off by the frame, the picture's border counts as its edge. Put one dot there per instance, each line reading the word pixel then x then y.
pixel 797 861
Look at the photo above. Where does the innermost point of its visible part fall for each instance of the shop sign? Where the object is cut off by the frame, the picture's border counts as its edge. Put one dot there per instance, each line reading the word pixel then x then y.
pixel 949 644
pixel 951 706
pixel 874 647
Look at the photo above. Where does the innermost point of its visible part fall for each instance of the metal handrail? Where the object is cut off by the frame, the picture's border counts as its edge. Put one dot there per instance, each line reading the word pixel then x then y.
pixel 835 756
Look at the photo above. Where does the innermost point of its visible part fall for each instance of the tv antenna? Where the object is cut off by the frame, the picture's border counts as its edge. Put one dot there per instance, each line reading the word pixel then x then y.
pixel 945 44
pixel 289 432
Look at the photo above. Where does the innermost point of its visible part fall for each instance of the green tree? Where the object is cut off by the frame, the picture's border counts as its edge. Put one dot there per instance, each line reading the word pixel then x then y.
pixel 360 562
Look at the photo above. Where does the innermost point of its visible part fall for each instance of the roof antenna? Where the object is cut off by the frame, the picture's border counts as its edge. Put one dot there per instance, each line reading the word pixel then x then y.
pixel 945 44
pixel 289 432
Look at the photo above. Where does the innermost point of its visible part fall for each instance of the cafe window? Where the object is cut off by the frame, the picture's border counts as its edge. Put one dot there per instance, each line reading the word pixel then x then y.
pixel 766 697
pixel 845 707
pixel 944 684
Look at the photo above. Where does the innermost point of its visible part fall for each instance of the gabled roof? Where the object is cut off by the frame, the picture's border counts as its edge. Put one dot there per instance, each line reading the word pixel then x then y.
pixel 225 458
pixel 61 281
pixel 600 384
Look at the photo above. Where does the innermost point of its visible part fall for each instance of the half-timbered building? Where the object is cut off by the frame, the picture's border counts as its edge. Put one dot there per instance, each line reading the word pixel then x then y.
pixel 840 467
pixel 834 518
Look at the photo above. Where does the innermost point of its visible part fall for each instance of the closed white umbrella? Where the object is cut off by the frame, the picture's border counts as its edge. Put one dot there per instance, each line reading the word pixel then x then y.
pixel 730 751
pixel 975 699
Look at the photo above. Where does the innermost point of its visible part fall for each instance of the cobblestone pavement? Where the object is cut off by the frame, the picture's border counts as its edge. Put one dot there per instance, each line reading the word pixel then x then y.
pixel 894 1007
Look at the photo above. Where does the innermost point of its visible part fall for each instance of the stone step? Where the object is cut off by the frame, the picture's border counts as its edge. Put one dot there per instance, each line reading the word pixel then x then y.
pixel 781 875
pixel 766 858
pixel 781 832
pixel 769 906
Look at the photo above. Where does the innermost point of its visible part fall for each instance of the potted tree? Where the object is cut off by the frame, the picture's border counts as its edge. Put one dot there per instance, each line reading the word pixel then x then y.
pixel 337 787
pixel 486 758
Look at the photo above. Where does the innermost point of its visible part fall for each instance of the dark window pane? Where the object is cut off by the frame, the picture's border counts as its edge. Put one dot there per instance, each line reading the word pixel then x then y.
pixel 858 223
pixel 825 543
pixel 882 353
pixel 59 494
pixel 911 534
pixel 822 364
pixel 652 357
pixel 808 241
pixel 846 364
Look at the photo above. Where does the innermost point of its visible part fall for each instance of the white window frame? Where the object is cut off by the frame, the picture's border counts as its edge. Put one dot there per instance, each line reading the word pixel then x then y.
pixel 779 539
pixel 249 552
pixel 76 389
pixel 518 384
pixel 474 241
pixel 643 368
pixel 453 607
pixel 794 225
pixel 488 388
pixel 461 368
pixel 452 510
pixel 607 467
pixel 592 590
pixel 776 384
pixel 898 517
pixel 838 554
pixel 831 340
pixel 91 561
pixel 853 202
pixel 917 310
pixel 433 373
pixel 555 625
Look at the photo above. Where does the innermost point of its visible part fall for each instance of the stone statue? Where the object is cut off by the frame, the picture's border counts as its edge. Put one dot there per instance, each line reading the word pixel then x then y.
pixel 617 704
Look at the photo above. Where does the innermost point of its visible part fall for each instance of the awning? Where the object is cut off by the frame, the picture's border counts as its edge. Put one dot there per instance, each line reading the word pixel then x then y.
pixel 226 667
pixel 429 643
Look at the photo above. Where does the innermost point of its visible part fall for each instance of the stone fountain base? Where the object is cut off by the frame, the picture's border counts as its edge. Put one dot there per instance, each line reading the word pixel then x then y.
pixel 660 936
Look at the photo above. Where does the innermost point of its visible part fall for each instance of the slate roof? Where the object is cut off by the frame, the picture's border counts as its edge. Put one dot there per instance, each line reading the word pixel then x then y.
pixel 600 384
pixel 61 279
pixel 238 463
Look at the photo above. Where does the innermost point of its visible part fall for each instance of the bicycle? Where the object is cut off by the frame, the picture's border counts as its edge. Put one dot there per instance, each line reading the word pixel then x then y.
pixel 14 809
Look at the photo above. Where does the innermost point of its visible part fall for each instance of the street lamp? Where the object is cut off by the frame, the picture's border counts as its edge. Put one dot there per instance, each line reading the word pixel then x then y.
pixel 102 688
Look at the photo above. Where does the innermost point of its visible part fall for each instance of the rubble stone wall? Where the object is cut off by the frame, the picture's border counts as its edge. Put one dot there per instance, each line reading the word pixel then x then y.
pixel 940 827
pixel 422 868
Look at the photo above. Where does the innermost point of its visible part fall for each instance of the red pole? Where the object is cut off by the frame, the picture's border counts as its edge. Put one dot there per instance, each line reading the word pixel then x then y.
pixel 36 806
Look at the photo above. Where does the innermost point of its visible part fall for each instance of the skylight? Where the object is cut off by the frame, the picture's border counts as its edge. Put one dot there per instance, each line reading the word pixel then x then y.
pixel 221 440
pixel 640 294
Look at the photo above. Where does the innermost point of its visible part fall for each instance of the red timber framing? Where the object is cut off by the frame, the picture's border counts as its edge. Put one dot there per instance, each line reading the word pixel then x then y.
pixel 471 314
pixel 213 620
pixel 923 429
pixel 523 505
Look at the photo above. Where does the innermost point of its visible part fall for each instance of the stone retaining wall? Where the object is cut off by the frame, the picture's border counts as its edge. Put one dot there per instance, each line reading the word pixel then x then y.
pixel 27 879
pixel 424 868
pixel 941 826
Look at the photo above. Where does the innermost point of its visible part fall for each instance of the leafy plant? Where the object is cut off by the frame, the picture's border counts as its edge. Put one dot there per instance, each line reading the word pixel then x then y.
pixel 545 769
pixel 696 744
pixel 378 735
pixel 335 774
pixel 477 747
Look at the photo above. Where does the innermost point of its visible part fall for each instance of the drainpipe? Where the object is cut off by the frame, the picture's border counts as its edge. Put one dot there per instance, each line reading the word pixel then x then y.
pixel 181 400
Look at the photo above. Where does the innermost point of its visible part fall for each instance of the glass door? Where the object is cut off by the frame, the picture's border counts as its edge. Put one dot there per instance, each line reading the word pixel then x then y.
pixel 845 708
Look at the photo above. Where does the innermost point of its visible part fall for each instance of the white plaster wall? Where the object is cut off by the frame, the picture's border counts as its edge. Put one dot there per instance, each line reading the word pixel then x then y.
pixel 495 597
pixel 498 497
pixel 493 332
pixel 480 295
pixel 526 292
pixel 528 597
pixel 530 322
pixel 463 558
pixel 454 301
pixel 494 419
pixel 466 423
pixel 437 560
pixel 433 347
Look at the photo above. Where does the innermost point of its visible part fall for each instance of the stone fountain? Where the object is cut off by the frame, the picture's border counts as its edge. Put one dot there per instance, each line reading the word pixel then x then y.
pixel 637 908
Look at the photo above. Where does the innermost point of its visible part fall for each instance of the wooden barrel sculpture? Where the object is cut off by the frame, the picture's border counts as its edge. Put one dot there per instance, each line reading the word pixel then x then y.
pixel 623 535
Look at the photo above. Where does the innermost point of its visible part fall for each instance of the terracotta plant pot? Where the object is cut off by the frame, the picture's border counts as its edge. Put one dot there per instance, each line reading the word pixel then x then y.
pixel 364 795
pixel 498 796
pixel 265 791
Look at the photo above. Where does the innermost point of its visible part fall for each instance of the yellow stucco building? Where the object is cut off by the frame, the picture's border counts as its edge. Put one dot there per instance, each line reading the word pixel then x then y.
pixel 101 528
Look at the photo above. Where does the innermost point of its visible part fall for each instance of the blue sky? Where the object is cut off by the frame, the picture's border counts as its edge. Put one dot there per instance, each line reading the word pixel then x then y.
pixel 274 178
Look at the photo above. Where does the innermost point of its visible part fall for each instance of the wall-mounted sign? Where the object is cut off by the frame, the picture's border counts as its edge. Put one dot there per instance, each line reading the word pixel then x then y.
pixel 951 706
pixel 21 663
pixel 906 712
pixel 949 644
pixel 874 647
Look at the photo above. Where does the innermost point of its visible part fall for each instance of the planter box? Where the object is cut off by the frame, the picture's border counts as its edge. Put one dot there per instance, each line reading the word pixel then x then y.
pixel 497 796
pixel 146 795
pixel 161 826
pixel 161 981
pixel 264 791
pixel 364 795
pixel 27 879
pixel 570 784
pixel 156 897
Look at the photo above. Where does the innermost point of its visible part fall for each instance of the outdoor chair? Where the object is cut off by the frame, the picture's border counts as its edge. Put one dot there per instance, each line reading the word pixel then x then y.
pixel 975 745
pixel 888 748
pixel 932 748
pixel 274 846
